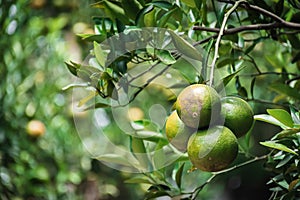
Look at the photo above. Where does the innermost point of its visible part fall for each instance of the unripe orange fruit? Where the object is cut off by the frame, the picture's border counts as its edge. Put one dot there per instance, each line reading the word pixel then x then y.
pixel 198 106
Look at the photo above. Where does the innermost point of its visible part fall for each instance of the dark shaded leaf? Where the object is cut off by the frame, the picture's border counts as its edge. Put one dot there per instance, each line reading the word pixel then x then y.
pixel 111 90
pixel 162 4
pixel 286 90
pixel 242 92
pixel 296 58
pixel 178 176
pixel 72 68
pixel 131 8
pixel 285 160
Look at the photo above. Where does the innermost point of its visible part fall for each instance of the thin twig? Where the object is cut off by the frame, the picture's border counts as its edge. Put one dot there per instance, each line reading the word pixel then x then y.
pixel 221 32
pixel 196 191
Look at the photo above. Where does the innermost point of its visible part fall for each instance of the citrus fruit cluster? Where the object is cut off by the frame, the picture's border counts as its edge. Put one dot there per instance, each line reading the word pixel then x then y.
pixel 207 126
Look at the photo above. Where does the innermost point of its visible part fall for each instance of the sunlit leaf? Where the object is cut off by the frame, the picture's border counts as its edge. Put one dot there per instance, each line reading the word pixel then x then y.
pixel 185 47
pixel 92 37
pixel 87 98
pixel 282 116
pixel 269 119
pixel 100 55
pixel 150 136
pixel 286 133
pixel 275 145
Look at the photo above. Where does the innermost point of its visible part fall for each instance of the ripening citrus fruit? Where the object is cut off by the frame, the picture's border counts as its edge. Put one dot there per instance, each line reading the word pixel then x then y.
pixel 198 105
pixel 238 115
pixel 35 128
pixel 212 149
pixel 177 132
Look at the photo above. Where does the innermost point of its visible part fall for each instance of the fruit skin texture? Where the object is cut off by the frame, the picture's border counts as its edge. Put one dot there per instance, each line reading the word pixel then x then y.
pixel 177 132
pixel 198 105
pixel 238 115
pixel 35 128
pixel 212 149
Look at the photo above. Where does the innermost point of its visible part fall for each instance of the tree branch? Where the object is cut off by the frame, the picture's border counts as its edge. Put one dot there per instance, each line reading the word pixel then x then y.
pixel 218 41
pixel 250 27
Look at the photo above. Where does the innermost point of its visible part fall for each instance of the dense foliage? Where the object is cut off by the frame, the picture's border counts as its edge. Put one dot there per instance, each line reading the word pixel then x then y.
pixel 254 47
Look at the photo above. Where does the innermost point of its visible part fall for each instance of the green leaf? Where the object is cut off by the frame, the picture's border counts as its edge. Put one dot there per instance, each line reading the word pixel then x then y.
pixel 185 47
pixel 178 176
pixel 165 57
pixel 269 119
pixel 164 19
pixel 113 10
pixel 286 133
pixel 228 78
pixel 100 55
pixel 190 3
pixel 274 145
pixel 150 136
pixel 96 105
pixel 87 98
pixel 295 115
pixel 92 37
pixel 111 90
pixel 282 116
pixel 162 4
pixel 285 160
pixel 131 8
pixel 72 68
pixel 139 179
pixel 117 159
pixel 138 149
pixel 286 90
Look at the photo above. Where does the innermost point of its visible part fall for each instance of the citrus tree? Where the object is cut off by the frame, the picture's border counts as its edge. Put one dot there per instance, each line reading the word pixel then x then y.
pixel 183 92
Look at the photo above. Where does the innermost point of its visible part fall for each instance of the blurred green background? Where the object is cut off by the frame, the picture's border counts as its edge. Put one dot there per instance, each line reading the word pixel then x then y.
pixel 37 37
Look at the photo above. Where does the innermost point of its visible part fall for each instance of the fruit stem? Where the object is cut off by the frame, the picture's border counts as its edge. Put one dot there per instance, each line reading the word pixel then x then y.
pixel 218 41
